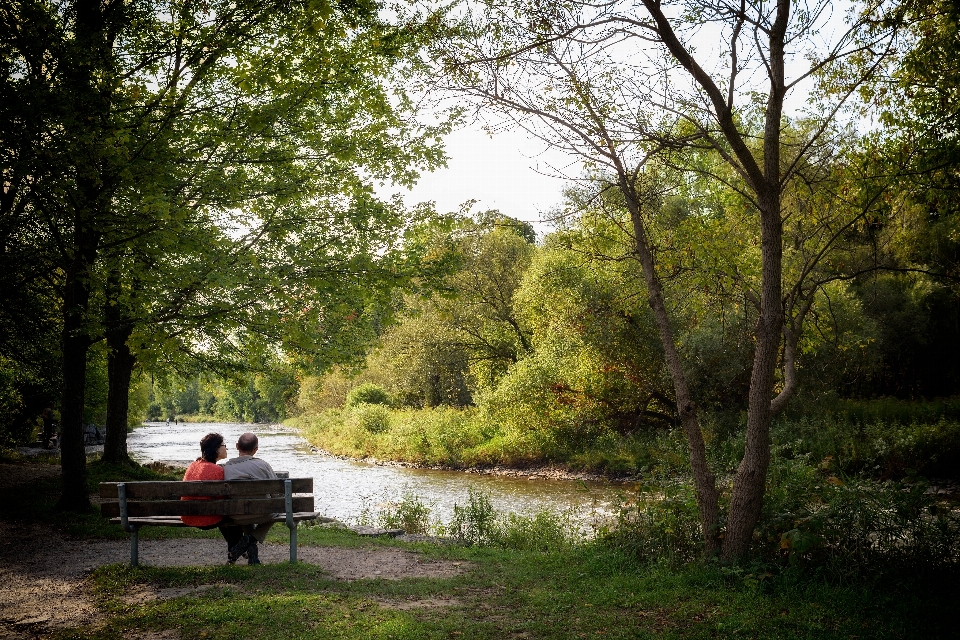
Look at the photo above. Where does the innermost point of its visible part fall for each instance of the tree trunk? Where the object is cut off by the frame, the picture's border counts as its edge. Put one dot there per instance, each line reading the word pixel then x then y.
pixel 90 107
pixel 708 498
pixel 120 364
pixel 749 484
pixel 76 344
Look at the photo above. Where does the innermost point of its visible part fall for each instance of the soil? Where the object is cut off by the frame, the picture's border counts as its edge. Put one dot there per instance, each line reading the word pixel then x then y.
pixel 45 575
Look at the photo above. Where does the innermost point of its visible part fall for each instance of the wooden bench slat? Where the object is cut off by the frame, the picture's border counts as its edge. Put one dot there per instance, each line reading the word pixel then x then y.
pixel 175 489
pixel 175 521
pixel 246 506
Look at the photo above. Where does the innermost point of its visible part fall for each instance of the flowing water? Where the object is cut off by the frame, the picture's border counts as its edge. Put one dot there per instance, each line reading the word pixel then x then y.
pixel 346 490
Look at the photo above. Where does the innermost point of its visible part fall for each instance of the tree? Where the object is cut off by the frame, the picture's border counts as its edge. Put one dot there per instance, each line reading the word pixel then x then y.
pixel 460 330
pixel 619 85
pixel 142 126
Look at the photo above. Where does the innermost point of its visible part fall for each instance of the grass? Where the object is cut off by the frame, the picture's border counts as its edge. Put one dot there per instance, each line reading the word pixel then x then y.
pixel 589 590
pixel 584 592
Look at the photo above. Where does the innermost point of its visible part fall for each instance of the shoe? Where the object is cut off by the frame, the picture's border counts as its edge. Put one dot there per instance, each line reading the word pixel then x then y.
pixel 253 554
pixel 241 549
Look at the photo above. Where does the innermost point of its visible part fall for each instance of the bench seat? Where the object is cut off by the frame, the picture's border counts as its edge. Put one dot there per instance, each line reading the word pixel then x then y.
pixel 175 521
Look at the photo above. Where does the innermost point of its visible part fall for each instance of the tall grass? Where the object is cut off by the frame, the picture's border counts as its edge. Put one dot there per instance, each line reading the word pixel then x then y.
pixel 812 520
pixel 478 523
pixel 881 439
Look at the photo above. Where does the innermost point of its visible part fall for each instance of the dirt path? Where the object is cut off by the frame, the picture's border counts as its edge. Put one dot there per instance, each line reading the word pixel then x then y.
pixel 44 576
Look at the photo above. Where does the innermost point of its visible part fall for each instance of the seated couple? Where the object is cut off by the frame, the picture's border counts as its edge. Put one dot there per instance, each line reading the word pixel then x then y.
pixel 242 533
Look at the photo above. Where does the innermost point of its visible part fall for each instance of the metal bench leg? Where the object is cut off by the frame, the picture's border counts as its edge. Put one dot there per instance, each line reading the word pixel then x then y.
pixel 288 499
pixel 125 524
pixel 293 544
pixel 134 546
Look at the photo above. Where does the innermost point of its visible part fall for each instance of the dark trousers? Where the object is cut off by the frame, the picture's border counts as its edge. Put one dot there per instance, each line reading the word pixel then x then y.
pixel 230 532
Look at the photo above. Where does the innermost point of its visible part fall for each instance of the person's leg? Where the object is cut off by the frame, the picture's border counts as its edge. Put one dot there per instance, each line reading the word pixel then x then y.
pixel 233 535
pixel 260 531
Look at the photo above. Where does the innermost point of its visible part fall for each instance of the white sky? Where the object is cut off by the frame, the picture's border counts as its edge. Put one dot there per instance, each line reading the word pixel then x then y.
pixel 507 171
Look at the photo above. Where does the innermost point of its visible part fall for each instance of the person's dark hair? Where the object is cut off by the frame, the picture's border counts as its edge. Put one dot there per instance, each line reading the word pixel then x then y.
pixel 210 447
pixel 247 442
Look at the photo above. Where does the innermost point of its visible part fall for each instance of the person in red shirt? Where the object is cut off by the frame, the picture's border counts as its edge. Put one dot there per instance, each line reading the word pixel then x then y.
pixel 212 448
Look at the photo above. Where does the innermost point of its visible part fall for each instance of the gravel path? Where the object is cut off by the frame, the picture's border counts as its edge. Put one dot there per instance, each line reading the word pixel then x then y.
pixel 44 576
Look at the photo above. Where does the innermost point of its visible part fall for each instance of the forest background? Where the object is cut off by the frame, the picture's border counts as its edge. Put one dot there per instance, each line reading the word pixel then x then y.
pixel 191 231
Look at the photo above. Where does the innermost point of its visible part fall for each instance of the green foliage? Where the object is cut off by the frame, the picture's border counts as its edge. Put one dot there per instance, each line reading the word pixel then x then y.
pixel 855 526
pixel 659 523
pixel 139 402
pixel 441 436
pixel 812 521
pixel 474 522
pixel 458 330
pixel 882 439
pixel 409 514
pixel 95 397
pixel 371 418
pixel 367 393
pixel 478 523
pixel 12 431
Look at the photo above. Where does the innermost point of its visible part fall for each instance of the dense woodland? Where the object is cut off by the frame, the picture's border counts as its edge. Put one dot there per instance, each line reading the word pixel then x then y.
pixel 190 229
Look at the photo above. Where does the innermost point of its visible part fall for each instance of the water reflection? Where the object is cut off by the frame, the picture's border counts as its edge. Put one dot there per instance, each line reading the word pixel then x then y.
pixel 343 489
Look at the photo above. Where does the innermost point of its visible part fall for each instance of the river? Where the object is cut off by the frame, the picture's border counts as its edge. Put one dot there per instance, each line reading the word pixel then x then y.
pixel 346 490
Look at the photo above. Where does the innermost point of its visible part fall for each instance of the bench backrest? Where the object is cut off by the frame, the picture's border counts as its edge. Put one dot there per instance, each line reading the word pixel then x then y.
pixel 234 497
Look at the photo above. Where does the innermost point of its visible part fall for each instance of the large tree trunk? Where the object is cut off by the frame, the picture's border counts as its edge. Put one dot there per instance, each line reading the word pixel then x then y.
pixel 76 344
pixel 708 498
pixel 750 483
pixel 119 371
pixel 89 97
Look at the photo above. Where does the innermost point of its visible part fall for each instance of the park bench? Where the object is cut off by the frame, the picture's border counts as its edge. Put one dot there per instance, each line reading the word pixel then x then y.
pixel 133 505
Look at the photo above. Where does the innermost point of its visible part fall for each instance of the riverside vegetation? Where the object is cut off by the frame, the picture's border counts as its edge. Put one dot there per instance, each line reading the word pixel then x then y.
pixel 527 576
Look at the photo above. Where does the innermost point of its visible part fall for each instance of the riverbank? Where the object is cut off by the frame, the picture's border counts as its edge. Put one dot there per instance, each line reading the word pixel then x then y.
pixel 529 472
pixel 67 576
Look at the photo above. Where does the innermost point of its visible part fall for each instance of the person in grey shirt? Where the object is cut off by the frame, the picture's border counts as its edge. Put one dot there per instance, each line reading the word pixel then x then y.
pixel 247 467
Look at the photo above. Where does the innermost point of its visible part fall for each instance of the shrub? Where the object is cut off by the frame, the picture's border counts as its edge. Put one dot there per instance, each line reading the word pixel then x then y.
pixel 373 418
pixel 409 514
pixel 880 448
pixel 480 524
pixel 367 393
pixel 474 523
pixel 544 531
pixel 854 526
pixel 660 522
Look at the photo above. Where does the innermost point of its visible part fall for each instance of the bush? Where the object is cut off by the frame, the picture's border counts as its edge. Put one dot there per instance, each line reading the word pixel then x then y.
pixel 659 523
pixel 854 526
pixel 367 393
pixel 883 449
pixel 474 523
pixel 478 523
pixel 372 418
pixel 409 514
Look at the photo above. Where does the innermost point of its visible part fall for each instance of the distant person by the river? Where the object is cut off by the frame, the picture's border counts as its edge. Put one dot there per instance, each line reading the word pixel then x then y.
pixel 247 467
pixel 212 449
pixel 47 416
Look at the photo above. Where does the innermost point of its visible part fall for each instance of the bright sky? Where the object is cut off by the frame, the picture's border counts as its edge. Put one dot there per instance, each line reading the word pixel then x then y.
pixel 508 171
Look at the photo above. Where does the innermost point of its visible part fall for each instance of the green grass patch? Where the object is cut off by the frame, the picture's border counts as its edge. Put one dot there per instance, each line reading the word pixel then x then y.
pixel 580 592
